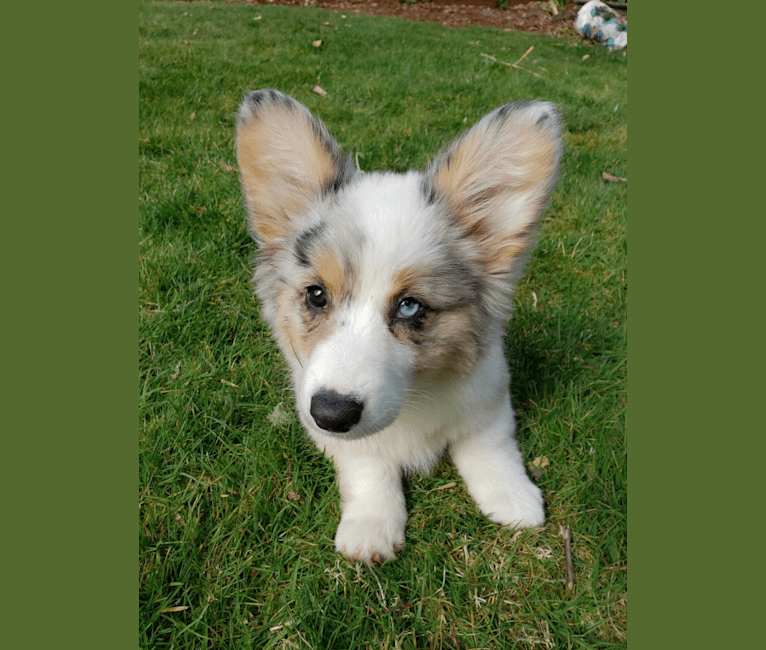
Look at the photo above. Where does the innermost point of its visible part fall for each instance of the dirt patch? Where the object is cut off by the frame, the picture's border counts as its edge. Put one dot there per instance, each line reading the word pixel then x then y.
pixel 521 15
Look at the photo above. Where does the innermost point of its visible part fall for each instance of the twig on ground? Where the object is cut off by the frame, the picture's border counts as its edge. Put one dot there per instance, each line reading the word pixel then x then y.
pixel 375 575
pixel 513 65
pixel 568 550
pixel 446 486
pixel 523 56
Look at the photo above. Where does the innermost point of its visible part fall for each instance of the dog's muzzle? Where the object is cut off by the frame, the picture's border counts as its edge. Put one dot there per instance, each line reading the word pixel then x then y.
pixel 335 413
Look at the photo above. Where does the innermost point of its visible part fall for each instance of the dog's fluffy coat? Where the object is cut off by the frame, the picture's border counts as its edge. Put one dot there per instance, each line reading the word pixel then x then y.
pixel 388 295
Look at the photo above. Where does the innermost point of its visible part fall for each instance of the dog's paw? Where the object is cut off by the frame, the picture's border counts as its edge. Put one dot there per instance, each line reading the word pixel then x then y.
pixel 519 507
pixel 369 539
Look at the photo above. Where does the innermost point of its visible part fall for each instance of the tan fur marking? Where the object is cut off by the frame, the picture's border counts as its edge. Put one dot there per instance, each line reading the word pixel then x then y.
pixel 283 164
pixel 331 272
pixel 312 335
pixel 403 282
pixel 452 178
pixel 450 345
pixel 410 281
pixel 293 345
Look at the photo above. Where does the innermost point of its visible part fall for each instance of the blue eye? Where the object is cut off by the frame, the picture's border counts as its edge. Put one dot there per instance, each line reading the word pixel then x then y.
pixel 408 308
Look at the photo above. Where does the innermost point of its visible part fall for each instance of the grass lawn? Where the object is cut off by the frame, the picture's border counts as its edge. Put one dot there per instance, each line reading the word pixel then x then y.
pixel 237 509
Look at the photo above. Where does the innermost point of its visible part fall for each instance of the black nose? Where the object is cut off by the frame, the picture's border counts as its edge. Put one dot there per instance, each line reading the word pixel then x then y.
pixel 336 413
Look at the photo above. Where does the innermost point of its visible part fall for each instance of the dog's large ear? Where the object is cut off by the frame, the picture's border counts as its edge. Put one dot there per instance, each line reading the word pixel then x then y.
pixel 286 158
pixel 497 178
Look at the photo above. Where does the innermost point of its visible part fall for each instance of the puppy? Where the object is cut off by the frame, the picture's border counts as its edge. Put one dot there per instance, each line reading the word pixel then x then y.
pixel 389 294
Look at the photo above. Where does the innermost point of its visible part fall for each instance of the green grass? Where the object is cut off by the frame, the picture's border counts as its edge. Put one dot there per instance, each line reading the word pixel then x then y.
pixel 237 510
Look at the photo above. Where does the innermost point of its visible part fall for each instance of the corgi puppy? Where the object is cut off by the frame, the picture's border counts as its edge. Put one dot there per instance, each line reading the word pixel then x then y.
pixel 389 294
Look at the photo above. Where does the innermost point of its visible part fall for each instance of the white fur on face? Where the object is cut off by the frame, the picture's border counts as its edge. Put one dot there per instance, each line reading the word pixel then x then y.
pixel 362 359
pixel 391 230
pixel 382 228
pixel 399 230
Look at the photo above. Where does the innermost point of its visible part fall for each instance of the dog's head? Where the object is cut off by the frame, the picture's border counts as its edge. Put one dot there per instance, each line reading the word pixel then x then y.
pixel 371 280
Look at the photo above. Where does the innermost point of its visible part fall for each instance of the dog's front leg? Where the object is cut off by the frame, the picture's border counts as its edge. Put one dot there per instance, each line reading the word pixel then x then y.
pixel 492 466
pixel 373 511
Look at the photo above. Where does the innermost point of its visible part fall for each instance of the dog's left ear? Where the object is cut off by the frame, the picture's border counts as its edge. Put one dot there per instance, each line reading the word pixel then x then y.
pixel 497 177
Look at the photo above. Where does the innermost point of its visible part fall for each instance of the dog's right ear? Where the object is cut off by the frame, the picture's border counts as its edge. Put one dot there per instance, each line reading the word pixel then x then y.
pixel 286 158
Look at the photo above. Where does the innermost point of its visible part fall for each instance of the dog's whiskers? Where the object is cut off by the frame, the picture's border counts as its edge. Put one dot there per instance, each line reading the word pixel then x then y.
pixel 296 354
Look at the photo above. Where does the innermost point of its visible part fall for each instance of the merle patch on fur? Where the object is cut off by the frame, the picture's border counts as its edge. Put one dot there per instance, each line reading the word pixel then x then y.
pixel 304 241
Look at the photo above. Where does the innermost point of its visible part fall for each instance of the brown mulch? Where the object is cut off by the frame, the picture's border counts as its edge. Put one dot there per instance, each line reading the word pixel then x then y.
pixel 522 15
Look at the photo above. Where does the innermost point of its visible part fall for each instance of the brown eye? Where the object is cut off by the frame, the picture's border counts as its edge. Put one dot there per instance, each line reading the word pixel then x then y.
pixel 316 297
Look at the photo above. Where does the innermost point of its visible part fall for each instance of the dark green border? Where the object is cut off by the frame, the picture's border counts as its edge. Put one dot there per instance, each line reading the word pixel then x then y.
pixel 69 228
pixel 692 126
